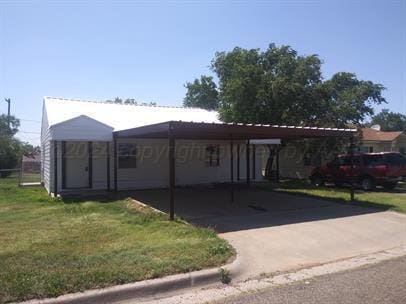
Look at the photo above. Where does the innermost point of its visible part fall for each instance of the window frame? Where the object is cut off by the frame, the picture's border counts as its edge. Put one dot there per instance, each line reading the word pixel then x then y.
pixel 212 156
pixel 127 160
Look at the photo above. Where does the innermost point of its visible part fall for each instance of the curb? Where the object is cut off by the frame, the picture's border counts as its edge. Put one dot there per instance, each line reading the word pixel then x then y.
pixel 144 288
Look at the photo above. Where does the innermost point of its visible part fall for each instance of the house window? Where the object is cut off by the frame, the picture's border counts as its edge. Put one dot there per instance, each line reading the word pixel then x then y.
pixel 402 150
pixel 212 156
pixel 127 155
pixel 307 160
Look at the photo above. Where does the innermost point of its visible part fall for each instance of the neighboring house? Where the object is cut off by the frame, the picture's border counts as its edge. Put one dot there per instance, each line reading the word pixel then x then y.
pixel 374 140
pixel 78 137
pixel 31 163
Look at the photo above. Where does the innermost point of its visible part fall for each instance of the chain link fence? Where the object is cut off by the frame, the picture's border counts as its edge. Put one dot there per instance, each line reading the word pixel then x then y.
pixel 29 173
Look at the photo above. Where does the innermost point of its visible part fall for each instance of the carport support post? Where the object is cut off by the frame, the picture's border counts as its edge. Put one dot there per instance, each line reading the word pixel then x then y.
pixel 352 168
pixel 232 169
pixel 55 168
pixel 248 162
pixel 171 175
pixel 115 161
pixel 277 165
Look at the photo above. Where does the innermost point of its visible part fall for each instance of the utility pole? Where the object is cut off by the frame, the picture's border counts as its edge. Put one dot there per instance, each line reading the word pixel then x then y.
pixel 8 100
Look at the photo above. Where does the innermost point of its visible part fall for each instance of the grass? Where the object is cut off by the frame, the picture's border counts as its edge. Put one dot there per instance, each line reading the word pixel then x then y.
pixel 50 247
pixel 377 199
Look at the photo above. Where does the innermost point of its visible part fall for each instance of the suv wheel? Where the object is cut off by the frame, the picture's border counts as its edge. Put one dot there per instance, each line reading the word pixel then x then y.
pixel 367 184
pixel 318 181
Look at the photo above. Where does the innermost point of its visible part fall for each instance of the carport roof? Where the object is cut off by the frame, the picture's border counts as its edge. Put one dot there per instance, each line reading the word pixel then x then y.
pixel 202 130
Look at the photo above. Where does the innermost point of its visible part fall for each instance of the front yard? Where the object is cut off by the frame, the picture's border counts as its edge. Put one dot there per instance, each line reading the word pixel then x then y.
pixel 378 199
pixel 49 247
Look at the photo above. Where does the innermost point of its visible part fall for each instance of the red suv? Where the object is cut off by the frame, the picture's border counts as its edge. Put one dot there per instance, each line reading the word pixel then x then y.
pixel 370 169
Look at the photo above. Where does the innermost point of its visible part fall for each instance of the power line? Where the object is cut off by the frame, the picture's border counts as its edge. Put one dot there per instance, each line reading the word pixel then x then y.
pixel 29 132
pixel 30 120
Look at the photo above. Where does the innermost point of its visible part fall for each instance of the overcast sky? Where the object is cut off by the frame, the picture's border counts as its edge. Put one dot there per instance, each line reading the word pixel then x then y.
pixel 99 50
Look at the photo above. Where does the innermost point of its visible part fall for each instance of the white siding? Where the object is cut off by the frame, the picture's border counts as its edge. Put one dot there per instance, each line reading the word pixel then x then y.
pixel 190 168
pixel 100 166
pixel 45 152
pixel 152 169
pixel 81 128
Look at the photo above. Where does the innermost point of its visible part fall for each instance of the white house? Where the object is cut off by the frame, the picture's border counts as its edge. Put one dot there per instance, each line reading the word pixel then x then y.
pixel 77 136
pixel 104 146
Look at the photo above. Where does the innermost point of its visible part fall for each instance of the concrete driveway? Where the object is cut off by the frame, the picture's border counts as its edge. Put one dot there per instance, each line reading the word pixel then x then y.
pixel 275 232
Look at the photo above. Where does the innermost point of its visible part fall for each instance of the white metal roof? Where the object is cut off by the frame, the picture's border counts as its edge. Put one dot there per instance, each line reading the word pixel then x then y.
pixel 120 116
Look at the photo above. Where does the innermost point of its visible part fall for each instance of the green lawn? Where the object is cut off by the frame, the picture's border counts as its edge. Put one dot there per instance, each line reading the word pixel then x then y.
pixel 49 247
pixel 384 200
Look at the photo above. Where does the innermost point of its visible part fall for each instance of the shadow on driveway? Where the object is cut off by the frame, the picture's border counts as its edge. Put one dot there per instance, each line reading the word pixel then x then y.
pixel 253 208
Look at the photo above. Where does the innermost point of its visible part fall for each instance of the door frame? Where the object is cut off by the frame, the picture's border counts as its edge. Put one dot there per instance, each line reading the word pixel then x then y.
pixel 89 166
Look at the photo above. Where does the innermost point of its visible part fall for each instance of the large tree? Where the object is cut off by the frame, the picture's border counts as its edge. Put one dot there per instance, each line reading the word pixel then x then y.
pixel 389 121
pixel 278 86
pixel 201 93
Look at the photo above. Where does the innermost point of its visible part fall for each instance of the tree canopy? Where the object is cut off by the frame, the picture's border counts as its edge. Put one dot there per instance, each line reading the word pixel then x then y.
pixel 11 149
pixel 389 121
pixel 278 86
pixel 14 125
pixel 201 93
pixel 130 101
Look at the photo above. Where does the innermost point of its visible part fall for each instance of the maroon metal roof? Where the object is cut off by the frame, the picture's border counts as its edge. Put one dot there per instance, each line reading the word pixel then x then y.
pixel 194 130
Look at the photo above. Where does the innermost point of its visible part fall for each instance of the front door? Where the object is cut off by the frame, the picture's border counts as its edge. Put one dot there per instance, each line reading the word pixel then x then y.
pixel 76 165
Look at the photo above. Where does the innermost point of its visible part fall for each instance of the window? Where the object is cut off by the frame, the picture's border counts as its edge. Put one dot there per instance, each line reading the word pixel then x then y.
pixel 212 157
pixel 402 150
pixel 307 160
pixel 127 155
pixel 374 160
pixel 346 161
pixel 367 149
pixel 364 149
pixel 395 159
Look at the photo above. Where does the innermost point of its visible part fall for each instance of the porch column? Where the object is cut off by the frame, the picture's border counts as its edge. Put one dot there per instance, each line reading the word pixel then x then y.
pixel 90 167
pixel 63 152
pixel 277 165
pixel 248 161
pixel 352 168
pixel 238 161
pixel 115 161
pixel 171 175
pixel 108 164
pixel 253 161
pixel 55 168
pixel 232 169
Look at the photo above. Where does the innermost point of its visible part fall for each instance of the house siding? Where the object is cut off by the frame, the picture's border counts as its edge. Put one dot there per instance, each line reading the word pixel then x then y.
pixel 45 152
pixel 152 170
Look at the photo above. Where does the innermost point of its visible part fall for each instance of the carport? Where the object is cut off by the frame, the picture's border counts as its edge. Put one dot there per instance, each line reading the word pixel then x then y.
pixel 180 130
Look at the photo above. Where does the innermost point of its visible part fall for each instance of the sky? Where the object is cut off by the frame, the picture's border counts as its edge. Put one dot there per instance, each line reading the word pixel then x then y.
pixel 148 50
